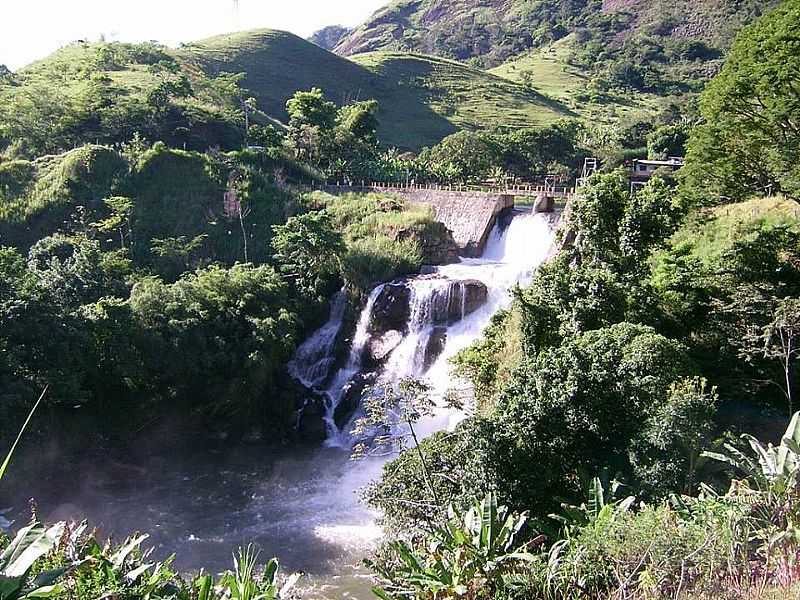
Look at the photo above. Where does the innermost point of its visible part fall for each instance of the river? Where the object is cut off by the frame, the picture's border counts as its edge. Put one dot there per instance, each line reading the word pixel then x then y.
pixel 301 506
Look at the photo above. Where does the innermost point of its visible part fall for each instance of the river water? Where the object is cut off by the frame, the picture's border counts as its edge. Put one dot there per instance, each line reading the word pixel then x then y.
pixel 302 506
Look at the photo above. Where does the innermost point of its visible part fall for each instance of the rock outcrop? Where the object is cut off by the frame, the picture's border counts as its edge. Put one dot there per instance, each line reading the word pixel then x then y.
pixel 445 302
pixel 391 310
pixel 435 240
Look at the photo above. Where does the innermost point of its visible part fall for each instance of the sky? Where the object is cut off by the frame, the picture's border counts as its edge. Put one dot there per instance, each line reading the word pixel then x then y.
pixel 32 29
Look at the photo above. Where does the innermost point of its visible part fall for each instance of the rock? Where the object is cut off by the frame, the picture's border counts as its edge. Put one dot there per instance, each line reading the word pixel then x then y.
pixel 379 348
pixel 434 347
pixel 351 397
pixel 391 309
pixel 311 420
pixel 464 298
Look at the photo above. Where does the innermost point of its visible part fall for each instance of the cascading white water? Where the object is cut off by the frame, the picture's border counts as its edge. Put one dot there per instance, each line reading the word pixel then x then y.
pixel 314 358
pixel 510 258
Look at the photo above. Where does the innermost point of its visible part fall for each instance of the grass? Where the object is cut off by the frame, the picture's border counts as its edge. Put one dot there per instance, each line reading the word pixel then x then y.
pixel 57 185
pixel 423 99
pixel 466 98
pixel 371 224
pixel 548 71
pixel 714 231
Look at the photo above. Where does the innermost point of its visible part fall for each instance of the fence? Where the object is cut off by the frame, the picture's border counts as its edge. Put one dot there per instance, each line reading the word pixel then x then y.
pixel 516 190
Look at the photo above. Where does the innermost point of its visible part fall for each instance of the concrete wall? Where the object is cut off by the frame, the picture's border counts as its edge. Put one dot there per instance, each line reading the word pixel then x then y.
pixel 469 215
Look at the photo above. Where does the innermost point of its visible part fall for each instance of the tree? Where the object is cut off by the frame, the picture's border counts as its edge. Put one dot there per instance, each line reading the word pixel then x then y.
pixel 462 157
pixel 782 343
pixel 359 120
pixel 119 220
pixel 668 140
pixel 312 119
pixel 677 432
pixel 75 271
pixel 776 342
pixel 596 215
pixel 216 324
pixel 566 413
pixel 750 141
pixel 265 136
pixel 308 252
pixel 176 253
pixel 311 108
pixel 650 218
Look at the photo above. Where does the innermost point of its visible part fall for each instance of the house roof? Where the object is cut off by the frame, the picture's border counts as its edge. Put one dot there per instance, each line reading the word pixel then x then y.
pixel 672 161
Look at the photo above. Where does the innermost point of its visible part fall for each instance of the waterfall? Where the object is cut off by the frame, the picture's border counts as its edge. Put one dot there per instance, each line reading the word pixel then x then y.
pixel 313 360
pixel 440 322
pixel 430 319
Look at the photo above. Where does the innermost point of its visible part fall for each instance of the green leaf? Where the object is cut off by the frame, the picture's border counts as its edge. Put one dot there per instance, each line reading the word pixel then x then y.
pixel 7 460
pixel 381 594
pixel 30 544
pixel 45 592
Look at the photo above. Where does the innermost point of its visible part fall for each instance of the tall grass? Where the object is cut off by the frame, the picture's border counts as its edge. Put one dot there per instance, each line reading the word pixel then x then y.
pixel 10 454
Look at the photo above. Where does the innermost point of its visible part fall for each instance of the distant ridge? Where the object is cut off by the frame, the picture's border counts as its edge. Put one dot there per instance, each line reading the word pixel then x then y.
pixel 422 98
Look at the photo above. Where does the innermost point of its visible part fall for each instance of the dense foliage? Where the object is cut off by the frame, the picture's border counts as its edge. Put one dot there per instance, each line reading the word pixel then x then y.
pixel 750 140
pixel 160 256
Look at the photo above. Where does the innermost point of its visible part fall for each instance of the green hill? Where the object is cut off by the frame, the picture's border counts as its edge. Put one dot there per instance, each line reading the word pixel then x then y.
pixel 422 98
pixel 491 32
pixel 549 71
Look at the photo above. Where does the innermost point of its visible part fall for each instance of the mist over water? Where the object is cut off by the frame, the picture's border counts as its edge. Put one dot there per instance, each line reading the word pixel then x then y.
pixel 299 505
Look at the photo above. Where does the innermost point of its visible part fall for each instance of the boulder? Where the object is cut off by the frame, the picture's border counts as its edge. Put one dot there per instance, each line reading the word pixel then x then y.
pixel 435 240
pixel 311 420
pixel 434 346
pixel 391 309
pixel 379 347
pixel 351 397
pixel 462 298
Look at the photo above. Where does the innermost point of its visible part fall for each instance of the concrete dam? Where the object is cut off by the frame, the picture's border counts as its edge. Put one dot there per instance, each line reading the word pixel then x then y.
pixel 469 214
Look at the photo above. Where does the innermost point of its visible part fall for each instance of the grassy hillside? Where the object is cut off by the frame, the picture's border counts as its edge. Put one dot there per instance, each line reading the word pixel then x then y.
pixel 422 99
pixel 103 93
pixel 548 71
pixel 465 97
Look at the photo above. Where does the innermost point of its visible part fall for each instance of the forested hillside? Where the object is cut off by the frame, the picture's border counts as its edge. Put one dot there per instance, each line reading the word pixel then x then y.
pixel 490 32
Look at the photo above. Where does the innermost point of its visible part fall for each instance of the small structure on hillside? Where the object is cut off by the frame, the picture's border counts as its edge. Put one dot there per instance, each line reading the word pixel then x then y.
pixel 642 170
pixel 590 167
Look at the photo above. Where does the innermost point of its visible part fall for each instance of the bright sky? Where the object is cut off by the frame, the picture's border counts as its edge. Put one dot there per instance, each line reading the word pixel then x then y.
pixel 32 29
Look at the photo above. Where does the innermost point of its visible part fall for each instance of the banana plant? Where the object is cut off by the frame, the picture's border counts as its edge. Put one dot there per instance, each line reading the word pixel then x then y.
pixel 243 583
pixel 472 552
pixel 30 544
pixel 773 470
pixel 602 505
pixel 770 489
pixel 128 566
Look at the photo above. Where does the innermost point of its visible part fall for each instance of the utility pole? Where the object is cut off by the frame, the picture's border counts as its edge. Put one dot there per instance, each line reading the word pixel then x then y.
pixel 236 26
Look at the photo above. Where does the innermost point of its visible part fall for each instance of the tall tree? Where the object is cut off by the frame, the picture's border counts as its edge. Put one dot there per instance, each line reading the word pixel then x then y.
pixel 750 141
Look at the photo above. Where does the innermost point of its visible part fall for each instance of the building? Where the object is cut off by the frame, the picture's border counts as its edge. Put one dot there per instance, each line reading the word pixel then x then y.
pixel 642 170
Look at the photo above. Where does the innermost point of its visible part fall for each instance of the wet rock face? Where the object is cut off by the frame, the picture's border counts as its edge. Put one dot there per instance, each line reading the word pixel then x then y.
pixel 435 346
pixel 391 310
pixel 379 347
pixel 465 298
pixel 311 420
pixel 351 397
pixel 449 303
